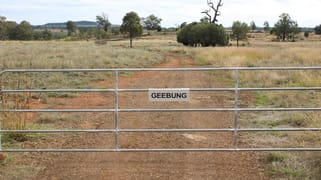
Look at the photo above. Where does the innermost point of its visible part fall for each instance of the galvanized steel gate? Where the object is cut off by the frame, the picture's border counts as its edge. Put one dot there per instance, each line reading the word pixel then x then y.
pixel 116 110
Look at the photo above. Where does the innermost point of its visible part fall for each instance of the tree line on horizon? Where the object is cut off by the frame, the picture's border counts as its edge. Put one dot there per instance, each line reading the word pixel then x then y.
pixel 207 32
pixel 11 30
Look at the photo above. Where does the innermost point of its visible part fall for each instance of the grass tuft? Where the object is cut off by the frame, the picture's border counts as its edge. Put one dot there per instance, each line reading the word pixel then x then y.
pixel 275 157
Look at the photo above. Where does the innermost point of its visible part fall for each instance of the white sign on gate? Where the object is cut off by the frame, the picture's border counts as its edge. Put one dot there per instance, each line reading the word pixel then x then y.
pixel 169 94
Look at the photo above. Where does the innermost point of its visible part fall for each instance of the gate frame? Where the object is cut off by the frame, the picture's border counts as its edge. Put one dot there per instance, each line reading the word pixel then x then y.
pixel 235 130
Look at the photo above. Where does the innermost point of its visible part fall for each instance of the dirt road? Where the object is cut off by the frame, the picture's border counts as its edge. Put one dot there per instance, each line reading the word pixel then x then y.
pixel 160 165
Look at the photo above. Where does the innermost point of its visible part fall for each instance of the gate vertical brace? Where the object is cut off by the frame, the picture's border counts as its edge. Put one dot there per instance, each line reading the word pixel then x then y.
pixel 1 115
pixel 0 130
pixel 116 111
pixel 236 99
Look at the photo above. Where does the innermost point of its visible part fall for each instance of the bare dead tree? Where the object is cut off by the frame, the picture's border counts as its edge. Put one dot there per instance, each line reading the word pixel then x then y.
pixel 215 8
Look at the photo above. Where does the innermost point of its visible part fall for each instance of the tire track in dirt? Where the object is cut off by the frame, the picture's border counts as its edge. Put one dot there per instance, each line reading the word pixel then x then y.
pixel 160 165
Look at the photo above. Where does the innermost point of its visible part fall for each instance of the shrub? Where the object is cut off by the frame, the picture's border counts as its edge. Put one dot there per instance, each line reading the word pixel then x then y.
pixel 317 29
pixel 42 35
pixel 203 34
pixel 101 34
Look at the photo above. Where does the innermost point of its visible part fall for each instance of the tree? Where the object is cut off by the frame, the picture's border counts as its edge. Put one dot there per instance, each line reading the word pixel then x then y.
pixel 131 25
pixel 317 29
pixel 239 31
pixel 3 28
pixel 22 31
pixel 103 26
pixel 152 22
pixel 253 26
pixel 43 35
pixel 101 34
pixel 11 29
pixel 286 28
pixel 2 18
pixel 183 25
pixel 115 30
pixel 103 22
pixel 204 34
pixel 205 19
pixel 46 35
pixel 266 26
pixel 71 27
pixel 215 8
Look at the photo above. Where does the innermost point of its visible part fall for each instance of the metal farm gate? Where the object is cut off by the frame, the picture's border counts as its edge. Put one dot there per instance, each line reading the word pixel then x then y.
pixel 118 131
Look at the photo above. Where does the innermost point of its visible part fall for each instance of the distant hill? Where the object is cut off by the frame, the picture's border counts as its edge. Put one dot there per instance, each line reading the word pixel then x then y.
pixel 307 29
pixel 64 24
pixel 79 24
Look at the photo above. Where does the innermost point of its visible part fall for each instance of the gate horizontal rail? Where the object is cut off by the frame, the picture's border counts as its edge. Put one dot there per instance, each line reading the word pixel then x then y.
pixel 116 110
pixel 163 150
pixel 160 130
pixel 160 69
pixel 161 110
pixel 146 90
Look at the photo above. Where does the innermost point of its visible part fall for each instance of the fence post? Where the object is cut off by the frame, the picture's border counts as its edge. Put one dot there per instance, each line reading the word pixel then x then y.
pixel 236 98
pixel 116 111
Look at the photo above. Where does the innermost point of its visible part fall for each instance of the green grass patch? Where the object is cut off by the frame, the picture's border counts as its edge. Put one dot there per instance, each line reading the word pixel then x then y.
pixel 281 165
pixel 15 139
pixel 262 99
pixel 202 61
pixel 52 118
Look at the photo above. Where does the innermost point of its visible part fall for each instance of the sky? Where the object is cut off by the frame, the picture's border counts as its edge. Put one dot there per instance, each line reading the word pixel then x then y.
pixel 172 12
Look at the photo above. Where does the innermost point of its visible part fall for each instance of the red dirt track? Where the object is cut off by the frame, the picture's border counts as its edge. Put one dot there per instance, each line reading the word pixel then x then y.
pixel 149 165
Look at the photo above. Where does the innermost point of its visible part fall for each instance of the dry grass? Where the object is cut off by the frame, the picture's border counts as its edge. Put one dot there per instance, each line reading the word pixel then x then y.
pixel 82 54
pixel 261 52
pixel 62 55
pixel 147 52
pixel 272 54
